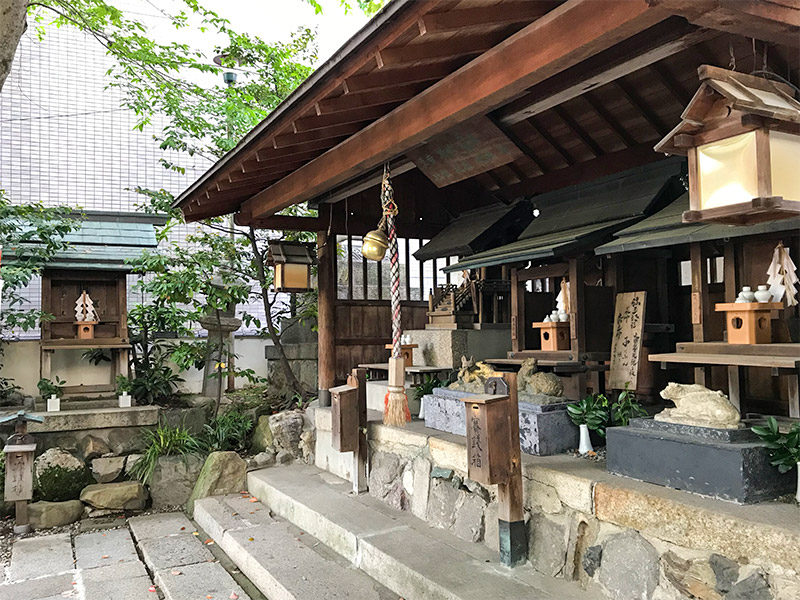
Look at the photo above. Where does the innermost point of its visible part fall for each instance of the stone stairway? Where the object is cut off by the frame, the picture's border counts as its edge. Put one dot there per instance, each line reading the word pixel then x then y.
pixel 323 542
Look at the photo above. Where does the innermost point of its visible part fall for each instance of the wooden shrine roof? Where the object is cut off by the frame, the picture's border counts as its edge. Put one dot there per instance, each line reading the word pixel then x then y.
pixel 104 242
pixel 665 228
pixel 478 229
pixel 582 216
pixel 521 98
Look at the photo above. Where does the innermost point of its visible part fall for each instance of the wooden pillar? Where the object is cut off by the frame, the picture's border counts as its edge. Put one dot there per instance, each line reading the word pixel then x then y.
pixel 361 455
pixel 326 339
pixel 511 514
pixel 577 310
pixel 736 382
pixel 700 306
pixel 517 313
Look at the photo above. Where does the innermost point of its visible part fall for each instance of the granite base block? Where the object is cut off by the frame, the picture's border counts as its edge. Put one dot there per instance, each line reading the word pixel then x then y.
pixel 697 460
pixel 544 429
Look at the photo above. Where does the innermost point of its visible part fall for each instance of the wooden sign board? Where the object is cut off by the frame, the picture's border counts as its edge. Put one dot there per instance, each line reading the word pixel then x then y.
pixel 488 439
pixel 19 472
pixel 466 150
pixel 344 418
pixel 626 343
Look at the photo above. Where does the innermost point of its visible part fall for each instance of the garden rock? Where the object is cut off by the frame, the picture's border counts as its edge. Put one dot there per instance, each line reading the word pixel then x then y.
pixel 223 473
pixel 549 553
pixel 107 469
pixel 191 419
pixel 385 470
pixel 59 476
pixel 754 587
pixel 44 515
pixel 131 460
pixel 695 579
pixel 630 567
pixel 283 457
pixel 264 459
pixel 92 447
pixel 286 428
pixel 442 504
pixel 124 495
pixel 173 479
pixel 307 442
pixel 262 436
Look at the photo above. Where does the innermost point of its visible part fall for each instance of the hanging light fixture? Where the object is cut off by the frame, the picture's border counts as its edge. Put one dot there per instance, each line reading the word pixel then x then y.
pixel 740 133
pixel 292 262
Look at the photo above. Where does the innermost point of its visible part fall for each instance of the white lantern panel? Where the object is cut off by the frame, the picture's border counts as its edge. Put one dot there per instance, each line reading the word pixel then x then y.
pixel 784 151
pixel 727 171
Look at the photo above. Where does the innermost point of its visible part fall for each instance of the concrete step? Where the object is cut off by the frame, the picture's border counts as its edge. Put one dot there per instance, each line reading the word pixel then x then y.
pixel 398 550
pixel 282 561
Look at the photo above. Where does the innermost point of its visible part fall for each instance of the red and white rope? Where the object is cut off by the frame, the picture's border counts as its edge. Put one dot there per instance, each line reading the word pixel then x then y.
pixel 389 213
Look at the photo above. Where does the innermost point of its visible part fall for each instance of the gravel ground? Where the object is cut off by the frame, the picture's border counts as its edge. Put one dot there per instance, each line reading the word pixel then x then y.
pixel 598 455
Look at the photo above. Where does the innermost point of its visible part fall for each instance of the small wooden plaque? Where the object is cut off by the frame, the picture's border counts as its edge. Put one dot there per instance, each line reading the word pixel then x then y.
pixel 626 343
pixel 19 472
pixel 344 418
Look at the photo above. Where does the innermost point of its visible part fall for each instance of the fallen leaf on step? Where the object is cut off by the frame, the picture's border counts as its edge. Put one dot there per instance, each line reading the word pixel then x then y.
pixel 209 542
pixel 183 528
pixel 104 556
pixel 234 596
pixel 175 572
pixel 253 499
pixel 251 539
pixel 152 588
pixel 195 533
pixel 210 597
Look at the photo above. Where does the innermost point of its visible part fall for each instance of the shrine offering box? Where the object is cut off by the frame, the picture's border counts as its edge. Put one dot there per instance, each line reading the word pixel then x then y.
pixel 488 438
pixel 749 322
pixel 555 335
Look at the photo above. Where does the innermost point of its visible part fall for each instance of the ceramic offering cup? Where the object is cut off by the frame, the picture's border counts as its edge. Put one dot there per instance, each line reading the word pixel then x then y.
pixel 748 294
pixel 563 316
pixel 546 319
pixel 763 294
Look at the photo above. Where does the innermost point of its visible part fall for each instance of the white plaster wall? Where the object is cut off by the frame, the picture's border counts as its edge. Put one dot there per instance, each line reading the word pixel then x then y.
pixel 21 363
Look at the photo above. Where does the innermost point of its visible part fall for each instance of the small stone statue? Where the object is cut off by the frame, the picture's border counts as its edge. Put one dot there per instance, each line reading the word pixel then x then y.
pixel 697 405
pixel 472 376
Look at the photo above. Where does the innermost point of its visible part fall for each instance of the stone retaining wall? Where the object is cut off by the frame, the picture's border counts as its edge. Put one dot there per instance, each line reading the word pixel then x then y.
pixel 619 538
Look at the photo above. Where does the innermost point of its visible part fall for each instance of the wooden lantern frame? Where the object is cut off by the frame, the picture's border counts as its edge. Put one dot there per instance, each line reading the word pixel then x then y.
pixel 730 104
pixel 281 255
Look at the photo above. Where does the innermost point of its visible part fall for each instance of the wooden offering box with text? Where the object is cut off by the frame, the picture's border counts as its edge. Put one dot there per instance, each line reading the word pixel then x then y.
pixel 488 438
pixel 344 418
pixel 554 335
pixel 749 322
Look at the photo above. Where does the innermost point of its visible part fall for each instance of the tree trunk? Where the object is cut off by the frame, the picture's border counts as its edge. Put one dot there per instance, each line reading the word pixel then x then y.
pixel 291 379
pixel 12 25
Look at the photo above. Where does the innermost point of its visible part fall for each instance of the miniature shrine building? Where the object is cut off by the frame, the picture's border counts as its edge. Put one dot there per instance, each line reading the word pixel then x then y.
pixel 491 109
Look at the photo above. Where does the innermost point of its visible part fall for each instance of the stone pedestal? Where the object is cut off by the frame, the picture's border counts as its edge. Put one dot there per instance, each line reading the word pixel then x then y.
pixel 729 464
pixel 544 429
pixel 445 347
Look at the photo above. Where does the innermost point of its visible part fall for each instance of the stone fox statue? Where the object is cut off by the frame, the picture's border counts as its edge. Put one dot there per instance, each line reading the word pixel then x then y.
pixel 697 405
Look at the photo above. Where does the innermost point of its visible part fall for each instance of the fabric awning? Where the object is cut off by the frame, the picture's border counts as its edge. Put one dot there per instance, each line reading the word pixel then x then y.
pixel 478 229
pixel 584 216
pixel 665 228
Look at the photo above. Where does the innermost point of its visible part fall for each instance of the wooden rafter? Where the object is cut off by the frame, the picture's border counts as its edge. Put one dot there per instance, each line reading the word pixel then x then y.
pixel 571 124
pixel 522 145
pixel 672 86
pixel 552 142
pixel 609 119
pixel 530 56
pixel 473 44
pixel 356 115
pixel 633 99
pixel 348 102
pixel 457 20
pixel 335 131
pixel 383 78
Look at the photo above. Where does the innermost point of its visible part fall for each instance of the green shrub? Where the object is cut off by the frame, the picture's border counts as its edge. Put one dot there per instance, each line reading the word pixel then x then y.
pixel 591 411
pixel 47 387
pixel 784 448
pixel 626 408
pixel 427 386
pixel 157 383
pixel 124 384
pixel 57 484
pixel 230 431
pixel 162 441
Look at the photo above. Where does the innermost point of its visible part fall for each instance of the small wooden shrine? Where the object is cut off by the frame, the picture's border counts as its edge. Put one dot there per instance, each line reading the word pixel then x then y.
pixel 85 289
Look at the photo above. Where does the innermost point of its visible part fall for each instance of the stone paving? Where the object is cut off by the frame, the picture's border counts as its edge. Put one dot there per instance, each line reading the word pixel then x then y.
pixel 175 564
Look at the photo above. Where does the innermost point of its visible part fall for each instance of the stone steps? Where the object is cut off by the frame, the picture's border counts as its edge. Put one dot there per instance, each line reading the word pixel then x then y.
pixel 283 562
pixel 398 550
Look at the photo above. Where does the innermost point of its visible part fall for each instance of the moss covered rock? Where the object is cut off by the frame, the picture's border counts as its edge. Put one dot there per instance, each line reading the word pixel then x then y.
pixel 59 476
pixel 262 436
pixel 223 473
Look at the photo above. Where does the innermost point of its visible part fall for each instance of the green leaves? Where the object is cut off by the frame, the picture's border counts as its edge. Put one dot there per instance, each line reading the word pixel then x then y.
pixel 592 411
pixel 784 448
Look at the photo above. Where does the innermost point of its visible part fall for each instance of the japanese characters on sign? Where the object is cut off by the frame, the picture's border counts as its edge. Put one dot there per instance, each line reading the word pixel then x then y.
pixel 626 344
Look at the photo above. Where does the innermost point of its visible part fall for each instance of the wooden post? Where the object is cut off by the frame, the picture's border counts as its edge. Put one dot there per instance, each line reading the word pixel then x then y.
pixel 577 317
pixel 361 455
pixel 517 313
pixel 700 306
pixel 326 351
pixel 511 514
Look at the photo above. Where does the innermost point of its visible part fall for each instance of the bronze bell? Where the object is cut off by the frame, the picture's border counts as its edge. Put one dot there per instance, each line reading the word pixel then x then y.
pixel 374 245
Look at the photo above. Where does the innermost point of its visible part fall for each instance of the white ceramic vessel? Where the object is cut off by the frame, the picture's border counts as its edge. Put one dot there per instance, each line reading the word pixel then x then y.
pixel 53 404
pixel 585 445
pixel 124 400
pixel 763 294
pixel 563 316
pixel 747 294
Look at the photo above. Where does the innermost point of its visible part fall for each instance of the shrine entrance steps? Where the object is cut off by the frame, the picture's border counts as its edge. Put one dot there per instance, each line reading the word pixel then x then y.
pixel 352 546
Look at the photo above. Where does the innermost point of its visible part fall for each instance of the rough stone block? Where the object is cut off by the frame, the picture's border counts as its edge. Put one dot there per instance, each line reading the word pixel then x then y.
pixel 421 469
pixel 107 469
pixel 573 491
pixel 102 418
pixel 39 556
pixel 173 479
pixel 104 548
pixel 223 473
pixel 547 549
pixel 125 495
pixel 159 525
pixel 198 581
pixel 174 551
pixel 44 515
pixel 734 471
pixel 448 455
pixel 630 567
pixel 262 436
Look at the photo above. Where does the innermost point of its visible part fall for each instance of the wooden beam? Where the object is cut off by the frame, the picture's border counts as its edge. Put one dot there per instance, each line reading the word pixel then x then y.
pixel 521 144
pixel 385 78
pixel 457 20
pixel 335 131
pixel 283 223
pixel 668 81
pixel 356 115
pixel 644 49
pixel 571 124
pixel 533 54
pixel 552 142
pixel 471 44
pixel 398 168
pixel 284 153
pixel 348 102
pixel 269 170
